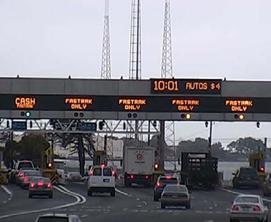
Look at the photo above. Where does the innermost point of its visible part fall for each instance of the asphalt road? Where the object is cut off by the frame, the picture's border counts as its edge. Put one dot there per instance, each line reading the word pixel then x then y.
pixel 130 204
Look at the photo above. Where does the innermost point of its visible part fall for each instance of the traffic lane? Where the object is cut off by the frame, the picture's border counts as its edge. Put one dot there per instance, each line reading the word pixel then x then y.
pixel 122 199
pixel 20 201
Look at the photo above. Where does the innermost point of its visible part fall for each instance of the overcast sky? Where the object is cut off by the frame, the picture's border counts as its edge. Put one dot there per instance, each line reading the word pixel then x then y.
pixel 210 39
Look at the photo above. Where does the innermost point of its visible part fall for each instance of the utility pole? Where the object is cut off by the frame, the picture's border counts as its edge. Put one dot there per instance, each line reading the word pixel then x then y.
pixel 168 128
pixel 210 136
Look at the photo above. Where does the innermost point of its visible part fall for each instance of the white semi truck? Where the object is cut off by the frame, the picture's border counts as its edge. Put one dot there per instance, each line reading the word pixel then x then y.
pixel 139 165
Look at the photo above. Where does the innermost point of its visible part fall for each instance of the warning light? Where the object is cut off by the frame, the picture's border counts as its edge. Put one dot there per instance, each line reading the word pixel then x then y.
pixel 186 116
pixel 156 166
pixel 239 116
pixel 50 165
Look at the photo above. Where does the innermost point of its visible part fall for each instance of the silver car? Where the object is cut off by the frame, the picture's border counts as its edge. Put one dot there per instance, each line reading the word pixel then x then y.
pixel 175 195
pixel 58 218
pixel 248 207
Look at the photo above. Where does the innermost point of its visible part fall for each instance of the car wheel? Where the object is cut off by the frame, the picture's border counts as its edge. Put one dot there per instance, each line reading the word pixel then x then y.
pixel 30 196
pixel 50 196
pixel 266 220
pixel 163 206
pixel 112 193
pixel 89 193
pixel 232 220
pixel 155 198
pixel 188 206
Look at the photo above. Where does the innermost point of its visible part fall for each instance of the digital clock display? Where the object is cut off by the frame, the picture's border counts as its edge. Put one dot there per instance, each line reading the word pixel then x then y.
pixel 186 86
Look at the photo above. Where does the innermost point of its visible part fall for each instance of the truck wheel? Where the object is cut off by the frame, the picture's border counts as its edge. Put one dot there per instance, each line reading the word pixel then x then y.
pixel 113 193
pixel 155 198
pixel 163 206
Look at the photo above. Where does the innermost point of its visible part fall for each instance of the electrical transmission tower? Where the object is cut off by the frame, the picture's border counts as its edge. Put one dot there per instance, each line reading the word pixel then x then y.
pixel 106 63
pixel 135 42
pixel 166 71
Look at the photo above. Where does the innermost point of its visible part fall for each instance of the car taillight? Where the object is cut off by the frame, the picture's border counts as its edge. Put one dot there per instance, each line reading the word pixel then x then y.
pixel 90 173
pixel 146 177
pixel 32 185
pixel 256 208
pixel 26 179
pixel 168 177
pixel 235 208
pixel 40 183
pixel 113 173
pixel 21 174
pixel 158 184
pixel 49 185
pixel 132 176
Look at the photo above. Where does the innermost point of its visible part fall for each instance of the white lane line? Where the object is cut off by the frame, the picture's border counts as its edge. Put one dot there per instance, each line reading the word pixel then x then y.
pixel 78 201
pixel 121 192
pixel 235 192
pixel 73 193
pixel 6 190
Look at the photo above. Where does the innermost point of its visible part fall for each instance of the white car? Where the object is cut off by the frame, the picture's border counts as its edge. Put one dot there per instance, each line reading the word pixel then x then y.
pixel 102 180
pixel 248 207
pixel 58 217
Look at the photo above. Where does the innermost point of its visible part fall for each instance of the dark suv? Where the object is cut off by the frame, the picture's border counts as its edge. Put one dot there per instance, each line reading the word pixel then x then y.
pixel 162 181
pixel 246 177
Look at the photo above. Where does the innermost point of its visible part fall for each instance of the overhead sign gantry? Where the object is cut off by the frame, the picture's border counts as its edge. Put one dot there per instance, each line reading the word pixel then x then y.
pixel 154 99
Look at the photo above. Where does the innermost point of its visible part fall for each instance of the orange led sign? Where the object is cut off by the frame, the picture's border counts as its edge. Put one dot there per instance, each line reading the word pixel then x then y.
pixel 25 102
pixel 78 103
pixel 238 105
pixel 132 104
pixel 185 104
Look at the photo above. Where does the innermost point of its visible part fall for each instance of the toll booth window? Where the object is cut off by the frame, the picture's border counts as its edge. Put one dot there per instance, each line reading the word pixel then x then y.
pixel 53 219
pixel 97 172
pixel 108 172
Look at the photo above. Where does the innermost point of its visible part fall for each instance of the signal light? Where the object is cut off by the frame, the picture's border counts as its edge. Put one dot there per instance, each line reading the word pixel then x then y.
pixel 239 116
pixel 186 116
pixel 49 165
pixel 156 166
pixel 26 114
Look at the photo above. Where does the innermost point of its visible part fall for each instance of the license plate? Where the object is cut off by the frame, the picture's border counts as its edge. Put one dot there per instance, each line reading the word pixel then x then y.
pixel 106 180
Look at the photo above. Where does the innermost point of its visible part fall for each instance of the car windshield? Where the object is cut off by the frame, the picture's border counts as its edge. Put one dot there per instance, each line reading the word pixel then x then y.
pixel 247 199
pixel 43 179
pixel 53 219
pixel 248 172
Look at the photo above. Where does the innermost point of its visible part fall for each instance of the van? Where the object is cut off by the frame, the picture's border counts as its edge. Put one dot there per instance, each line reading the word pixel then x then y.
pixel 101 180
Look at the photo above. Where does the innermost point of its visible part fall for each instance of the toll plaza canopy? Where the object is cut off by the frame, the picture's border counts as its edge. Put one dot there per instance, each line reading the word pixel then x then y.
pixel 120 99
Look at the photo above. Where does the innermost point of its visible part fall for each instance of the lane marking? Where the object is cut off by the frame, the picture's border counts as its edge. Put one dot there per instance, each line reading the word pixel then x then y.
pixel 6 190
pixel 123 193
pixel 78 197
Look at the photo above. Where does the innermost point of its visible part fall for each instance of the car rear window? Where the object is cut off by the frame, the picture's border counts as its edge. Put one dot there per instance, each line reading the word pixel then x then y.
pixel 107 172
pixel 25 165
pixel 172 188
pixel 53 219
pixel 248 172
pixel 247 200
pixel 97 171
pixel 33 173
pixel 168 180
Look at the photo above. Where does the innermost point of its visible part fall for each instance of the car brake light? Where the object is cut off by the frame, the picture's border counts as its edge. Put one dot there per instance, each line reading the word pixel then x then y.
pixel 235 208
pixel 113 173
pixel 49 185
pixel 132 176
pixel 256 208
pixel 32 185
pixel 168 177
pixel 146 177
pixel 40 183
pixel 21 174
pixel 90 173
pixel 103 165
pixel 159 184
